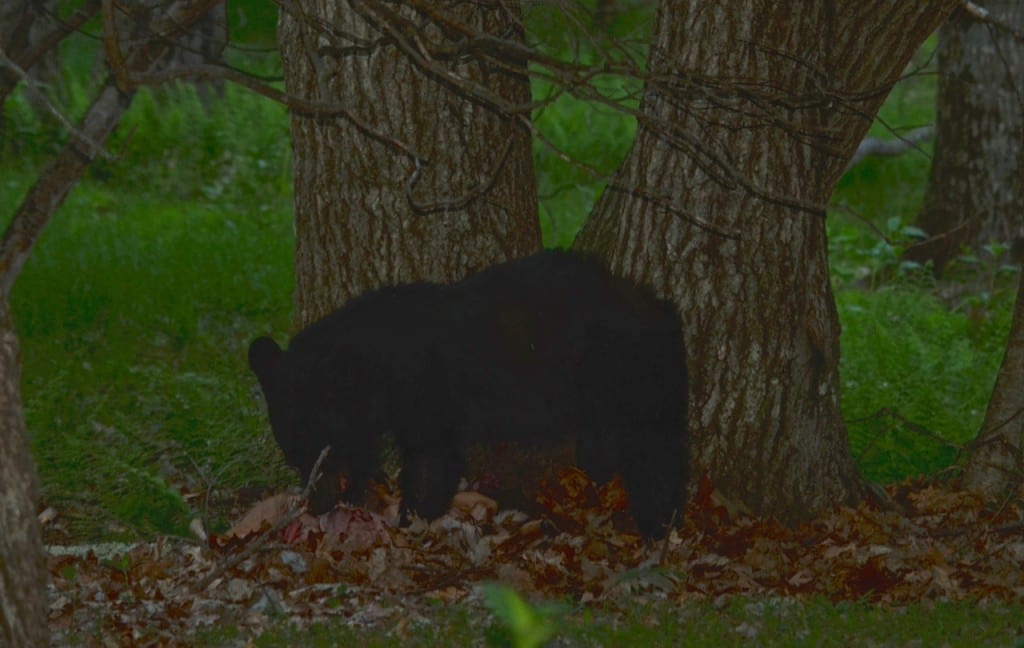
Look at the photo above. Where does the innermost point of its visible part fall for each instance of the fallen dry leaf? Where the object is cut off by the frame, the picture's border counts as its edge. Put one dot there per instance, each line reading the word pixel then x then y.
pixel 262 516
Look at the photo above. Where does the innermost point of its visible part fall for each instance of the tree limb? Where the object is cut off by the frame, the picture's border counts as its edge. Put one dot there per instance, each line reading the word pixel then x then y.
pixel 873 146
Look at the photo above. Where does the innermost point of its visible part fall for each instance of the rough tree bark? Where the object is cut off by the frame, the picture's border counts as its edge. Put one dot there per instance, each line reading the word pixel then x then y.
pixel 719 206
pixel 997 461
pixel 22 567
pixel 429 184
pixel 976 187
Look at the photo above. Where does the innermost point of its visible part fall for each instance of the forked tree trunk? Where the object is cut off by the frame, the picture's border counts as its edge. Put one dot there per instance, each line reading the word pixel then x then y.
pixel 997 461
pixel 366 212
pixel 976 188
pixel 718 207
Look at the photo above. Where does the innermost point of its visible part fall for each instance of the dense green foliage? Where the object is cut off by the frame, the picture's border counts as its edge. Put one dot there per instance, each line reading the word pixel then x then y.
pixel 919 356
pixel 136 308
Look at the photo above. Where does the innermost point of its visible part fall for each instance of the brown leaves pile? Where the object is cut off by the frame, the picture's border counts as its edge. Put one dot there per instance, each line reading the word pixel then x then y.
pixel 353 564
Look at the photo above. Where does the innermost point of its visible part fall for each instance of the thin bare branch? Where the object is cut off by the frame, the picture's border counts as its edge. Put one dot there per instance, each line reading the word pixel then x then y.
pixel 456 203
pixel 207 71
pixel 982 14
pixel 95 149
pixel 872 146
pixel 65 27
pixel 295 512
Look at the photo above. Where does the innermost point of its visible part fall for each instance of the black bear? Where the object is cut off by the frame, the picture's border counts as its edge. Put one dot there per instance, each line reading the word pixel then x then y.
pixel 535 350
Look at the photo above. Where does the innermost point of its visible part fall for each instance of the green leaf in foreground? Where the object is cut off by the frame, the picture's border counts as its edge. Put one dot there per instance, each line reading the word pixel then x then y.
pixel 528 626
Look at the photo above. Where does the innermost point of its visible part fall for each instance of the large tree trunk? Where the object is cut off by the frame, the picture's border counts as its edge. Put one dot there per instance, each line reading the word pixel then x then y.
pixel 976 187
pixel 367 213
pixel 23 575
pixel 997 460
pixel 718 206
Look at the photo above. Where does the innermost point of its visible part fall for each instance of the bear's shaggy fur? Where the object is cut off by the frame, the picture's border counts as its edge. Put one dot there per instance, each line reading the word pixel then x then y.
pixel 531 351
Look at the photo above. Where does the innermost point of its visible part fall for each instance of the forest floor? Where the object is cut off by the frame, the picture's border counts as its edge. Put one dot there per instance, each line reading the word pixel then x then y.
pixel 280 574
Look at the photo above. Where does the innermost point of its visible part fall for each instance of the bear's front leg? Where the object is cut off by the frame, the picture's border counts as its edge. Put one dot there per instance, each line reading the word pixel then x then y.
pixel 428 481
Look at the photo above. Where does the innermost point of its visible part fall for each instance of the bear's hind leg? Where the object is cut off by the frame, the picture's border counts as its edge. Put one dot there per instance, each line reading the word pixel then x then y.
pixel 654 472
pixel 596 453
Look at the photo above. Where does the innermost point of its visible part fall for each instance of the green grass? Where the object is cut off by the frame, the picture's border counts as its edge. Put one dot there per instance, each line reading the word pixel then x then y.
pixel 741 622
pixel 134 315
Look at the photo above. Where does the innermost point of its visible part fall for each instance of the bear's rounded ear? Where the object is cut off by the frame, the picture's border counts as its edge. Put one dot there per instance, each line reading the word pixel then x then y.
pixel 264 356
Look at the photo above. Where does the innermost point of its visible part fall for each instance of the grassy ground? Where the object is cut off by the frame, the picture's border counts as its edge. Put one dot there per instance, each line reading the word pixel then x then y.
pixel 134 326
pixel 740 622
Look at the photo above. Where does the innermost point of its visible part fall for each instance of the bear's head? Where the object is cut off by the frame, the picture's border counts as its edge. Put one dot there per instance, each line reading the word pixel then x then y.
pixel 306 415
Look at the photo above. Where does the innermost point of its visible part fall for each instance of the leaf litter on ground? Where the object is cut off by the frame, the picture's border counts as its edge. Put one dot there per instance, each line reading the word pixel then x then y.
pixel 927 542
